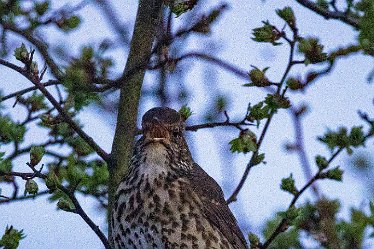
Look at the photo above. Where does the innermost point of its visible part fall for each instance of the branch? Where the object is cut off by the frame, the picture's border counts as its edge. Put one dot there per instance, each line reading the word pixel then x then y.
pixel 300 146
pixel 349 19
pixel 283 223
pixel 66 116
pixel 217 124
pixel 225 65
pixel 147 19
pixel 78 208
pixel 249 166
pixel 40 45
pixel 280 227
pixel 27 90
pixel 23 197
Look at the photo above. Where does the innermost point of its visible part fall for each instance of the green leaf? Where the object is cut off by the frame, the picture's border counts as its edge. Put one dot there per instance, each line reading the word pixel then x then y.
pixel 31 187
pixel 321 162
pixel 11 238
pixel 258 112
pixel 36 154
pixel 69 24
pixel 5 166
pixel 36 102
pixel 245 143
pixel 11 131
pixel 337 139
pixel 287 14
pixel 323 4
pixel 254 240
pixel 288 185
pixel 185 111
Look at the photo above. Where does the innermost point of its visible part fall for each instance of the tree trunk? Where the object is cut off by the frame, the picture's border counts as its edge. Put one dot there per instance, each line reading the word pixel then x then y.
pixel 147 20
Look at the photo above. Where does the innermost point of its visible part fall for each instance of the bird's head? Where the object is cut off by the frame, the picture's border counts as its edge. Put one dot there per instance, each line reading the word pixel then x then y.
pixel 165 126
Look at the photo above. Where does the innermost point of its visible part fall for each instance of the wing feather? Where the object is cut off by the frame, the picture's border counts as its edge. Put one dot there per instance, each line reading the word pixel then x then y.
pixel 215 207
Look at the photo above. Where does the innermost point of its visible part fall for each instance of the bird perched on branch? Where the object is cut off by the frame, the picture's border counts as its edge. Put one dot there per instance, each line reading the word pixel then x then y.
pixel 166 200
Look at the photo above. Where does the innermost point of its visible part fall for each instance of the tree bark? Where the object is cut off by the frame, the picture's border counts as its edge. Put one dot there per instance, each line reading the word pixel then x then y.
pixel 147 19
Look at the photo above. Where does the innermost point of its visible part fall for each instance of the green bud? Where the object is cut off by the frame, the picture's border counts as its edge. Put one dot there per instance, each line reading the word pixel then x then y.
pixel 31 187
pixel 87 53
pixel 323 4
pixel 258 77
pixel 181 6
pixel 356 136
pixel 312 50
pixel 287 15
pixel 41 8
pixel 11 238
pixel 291 214
pixel 321 162
pixel 266 33
pixel 288 185
pixel 69 24
pixel 257 159
pixel 333 174
pixel 65 204
pixel 21 53
pixel 36 154
pixel 294 84
pixel 277 101
pixel 34 68
pixel 254 240
pixel 185 112
pixel 51 181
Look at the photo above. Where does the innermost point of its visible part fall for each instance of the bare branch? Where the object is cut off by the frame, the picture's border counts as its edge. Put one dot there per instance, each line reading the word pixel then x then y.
pixel 30 89
pixel 23 197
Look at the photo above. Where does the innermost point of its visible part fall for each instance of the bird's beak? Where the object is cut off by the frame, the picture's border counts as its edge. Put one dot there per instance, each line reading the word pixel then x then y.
pixel 157 133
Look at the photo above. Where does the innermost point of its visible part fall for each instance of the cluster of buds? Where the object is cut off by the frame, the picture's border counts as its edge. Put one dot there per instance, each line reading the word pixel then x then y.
pixel 22 54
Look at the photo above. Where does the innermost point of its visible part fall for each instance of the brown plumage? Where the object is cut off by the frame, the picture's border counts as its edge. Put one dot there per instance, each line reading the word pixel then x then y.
pixel 167 200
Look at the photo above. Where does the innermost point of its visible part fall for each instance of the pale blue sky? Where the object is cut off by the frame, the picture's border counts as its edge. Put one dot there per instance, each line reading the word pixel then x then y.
pixel 333 100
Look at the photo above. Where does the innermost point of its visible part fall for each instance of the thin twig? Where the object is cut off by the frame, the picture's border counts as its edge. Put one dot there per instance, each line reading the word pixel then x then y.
pixel 347 18
pixel 283 222
pixel 300 147
pixel 23 197
pixel 250 164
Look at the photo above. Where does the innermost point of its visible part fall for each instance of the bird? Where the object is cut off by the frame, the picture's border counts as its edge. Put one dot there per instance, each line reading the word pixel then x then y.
pixel 166 200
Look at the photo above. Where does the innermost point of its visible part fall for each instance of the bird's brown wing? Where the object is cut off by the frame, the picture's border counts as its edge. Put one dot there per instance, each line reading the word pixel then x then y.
pixel 215 207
